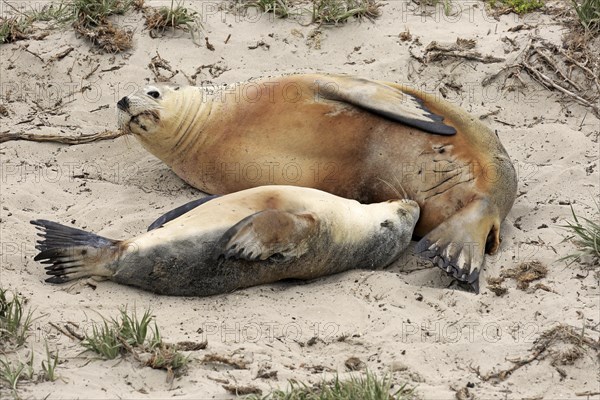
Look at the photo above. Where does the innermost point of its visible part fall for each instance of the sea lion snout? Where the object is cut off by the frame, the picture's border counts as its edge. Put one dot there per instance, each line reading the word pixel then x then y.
pixel 123 104
pixel 408 207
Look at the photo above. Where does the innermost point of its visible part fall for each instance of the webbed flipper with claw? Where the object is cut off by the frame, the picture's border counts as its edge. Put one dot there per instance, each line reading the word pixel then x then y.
pixel 458 245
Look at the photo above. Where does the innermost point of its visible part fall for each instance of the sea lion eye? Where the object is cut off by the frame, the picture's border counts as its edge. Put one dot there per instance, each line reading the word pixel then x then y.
pixel 154 94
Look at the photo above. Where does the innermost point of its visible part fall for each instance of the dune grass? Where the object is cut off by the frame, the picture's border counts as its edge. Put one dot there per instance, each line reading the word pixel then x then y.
pixel 14 28
pixel 175 16
pixel 367 386
pixel 89 18
pixel 15 325
pixel 588 12
pixel 49 365
pixel 129 334
pixel 520 7
pixel 96 12
pixel 15 320
pixel 586 235
pixel 279 8
pixel 339 11
pixel 110 338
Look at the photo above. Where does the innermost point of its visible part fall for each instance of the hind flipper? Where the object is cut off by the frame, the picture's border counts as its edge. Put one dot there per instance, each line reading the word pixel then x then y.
pixel 274 234
pixel 71 253
pixel 458 245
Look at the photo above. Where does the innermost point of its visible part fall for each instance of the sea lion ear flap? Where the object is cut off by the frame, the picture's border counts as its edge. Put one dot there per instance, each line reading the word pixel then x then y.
pixel 269 234
pixel 383 100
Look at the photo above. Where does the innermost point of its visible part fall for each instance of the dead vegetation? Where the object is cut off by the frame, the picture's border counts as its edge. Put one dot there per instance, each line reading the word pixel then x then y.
pixel 340 11
pixel 462 48
pixel 14 28
pixel 495 286
pixel 525 273
pixel 242 390
pixel 562 345
pixel 128 335
pixel 79 139
pixel 586 235
pixel 572 69
pixel 160 19
pixel 92 22
pixel 225 360
pixel 322 12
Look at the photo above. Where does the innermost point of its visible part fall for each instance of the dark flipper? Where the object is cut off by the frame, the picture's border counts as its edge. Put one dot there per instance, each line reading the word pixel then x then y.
pixel 179 211
pixel 383 100
pixel 269 234
pixel 458 245
pixel 72 253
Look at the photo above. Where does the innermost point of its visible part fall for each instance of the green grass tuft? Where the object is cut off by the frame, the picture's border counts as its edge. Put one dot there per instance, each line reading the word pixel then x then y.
pixel 129 334
pixel 14 28
pixel 104 340
pixel 59 13
pixel 96 12
pixel 15 321
pixel 517 6
pixel 587 237
pixel 132 330
pixel 278 7
pixel 11 372
pixel 49 366
pixel 364 387
pixel 339 11
pixel 588 12
pixel 173 17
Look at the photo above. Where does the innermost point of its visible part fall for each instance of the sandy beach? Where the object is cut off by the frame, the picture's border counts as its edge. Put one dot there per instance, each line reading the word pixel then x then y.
pixel 407 320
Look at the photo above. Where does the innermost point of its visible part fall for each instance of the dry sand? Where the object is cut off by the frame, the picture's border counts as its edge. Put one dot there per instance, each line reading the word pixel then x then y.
pixel 403 319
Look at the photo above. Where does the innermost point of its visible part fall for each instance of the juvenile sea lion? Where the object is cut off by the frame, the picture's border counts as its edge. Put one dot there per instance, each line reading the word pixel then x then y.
pixel 248 238
pixel 353 137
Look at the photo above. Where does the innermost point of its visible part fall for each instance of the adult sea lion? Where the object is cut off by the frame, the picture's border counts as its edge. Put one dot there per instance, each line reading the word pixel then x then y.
pixel 353 137
pixel 248 238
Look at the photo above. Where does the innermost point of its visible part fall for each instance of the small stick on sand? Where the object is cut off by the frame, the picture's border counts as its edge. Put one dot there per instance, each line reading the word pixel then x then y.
pixel 61 330
pixel 81 139
pixel 546 81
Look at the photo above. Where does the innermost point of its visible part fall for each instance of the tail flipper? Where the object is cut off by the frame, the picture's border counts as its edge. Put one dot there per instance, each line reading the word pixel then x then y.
pixel 458 245
pixel 72 253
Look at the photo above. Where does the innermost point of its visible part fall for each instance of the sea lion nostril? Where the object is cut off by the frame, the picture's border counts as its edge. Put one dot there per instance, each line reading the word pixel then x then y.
pixel 123 104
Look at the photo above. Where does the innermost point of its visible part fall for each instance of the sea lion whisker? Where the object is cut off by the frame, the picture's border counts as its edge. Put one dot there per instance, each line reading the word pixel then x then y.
pixel 402 187
pixel 391 187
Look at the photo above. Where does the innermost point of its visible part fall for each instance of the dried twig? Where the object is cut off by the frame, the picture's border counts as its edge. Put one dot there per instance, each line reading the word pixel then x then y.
pixel 549 83
pixel 61 330
pixel 536 50
pixel 81 139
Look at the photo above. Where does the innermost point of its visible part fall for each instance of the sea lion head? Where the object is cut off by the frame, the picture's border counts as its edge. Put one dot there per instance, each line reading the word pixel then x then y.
pixel 147 112
pixel 407 211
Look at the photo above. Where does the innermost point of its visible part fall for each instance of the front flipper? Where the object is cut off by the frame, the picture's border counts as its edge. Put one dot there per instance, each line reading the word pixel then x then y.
pixel 270 234
pixel 178 212
pixel 458 244
pixel 383 100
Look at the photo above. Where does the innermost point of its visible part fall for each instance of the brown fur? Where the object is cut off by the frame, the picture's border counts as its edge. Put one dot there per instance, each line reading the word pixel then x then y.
pixel 344 150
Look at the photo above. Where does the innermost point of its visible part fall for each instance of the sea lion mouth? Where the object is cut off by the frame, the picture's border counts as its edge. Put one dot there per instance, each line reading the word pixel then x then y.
pixel 142 123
